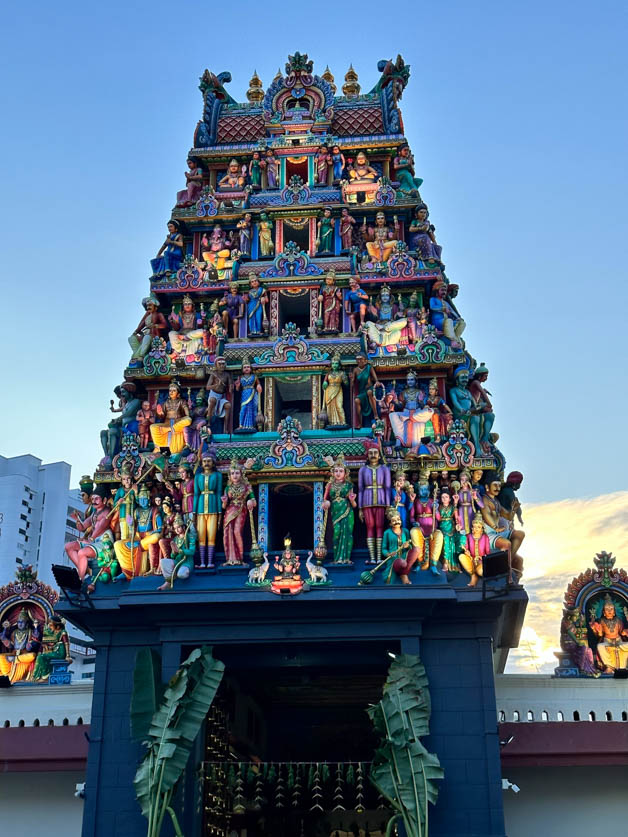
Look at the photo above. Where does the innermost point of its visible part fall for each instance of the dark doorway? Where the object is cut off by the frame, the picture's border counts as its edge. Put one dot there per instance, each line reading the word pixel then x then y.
pixel 298 166
pixel 294 399
pixel 292 512
pixel 295 308
pixel 299 232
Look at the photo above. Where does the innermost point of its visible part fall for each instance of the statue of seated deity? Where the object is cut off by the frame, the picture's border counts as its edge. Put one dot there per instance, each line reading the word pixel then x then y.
pixel 216 248
pixel 235 178
pixel 610 628
pixel 363 181
pixel 174 415
pixel 186 337
pixel 19 645
pixel 381 239
pixel 408 424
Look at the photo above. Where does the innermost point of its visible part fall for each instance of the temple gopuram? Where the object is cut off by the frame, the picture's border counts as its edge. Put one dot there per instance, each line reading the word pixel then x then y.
pixel 302 551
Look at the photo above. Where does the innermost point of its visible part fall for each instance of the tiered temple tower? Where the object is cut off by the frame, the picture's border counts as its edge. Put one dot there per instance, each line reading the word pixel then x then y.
pixel 300 393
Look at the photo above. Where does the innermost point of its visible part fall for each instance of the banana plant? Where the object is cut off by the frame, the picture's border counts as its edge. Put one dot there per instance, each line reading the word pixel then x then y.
pixel 403 771
pixel 167 721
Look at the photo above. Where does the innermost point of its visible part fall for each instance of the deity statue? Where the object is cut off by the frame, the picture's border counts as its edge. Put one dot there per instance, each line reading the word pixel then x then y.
pixel 186 337
pixel 340 499
pixel 413 330
pixel 233 180
pixel 396 544
pixel 467 500
pixel 287 565
pixel 500 531
pixel 508 499
pixel 385 308
pixel 138 554
pixel 356 304
pixel 256 300
pixel 175 417
pixel 483 407
pixel 338 163
pixel 363 380
pixel 231 308
pixel 198 414
pixel 408 424
pixel 255 170
pixel 194 181
pixel 333 395
pixel 381 239
pixel 265 233
pixel 474 548
pixel 464 406
pixel 245 231
pixel 403 166
pixel 207 507
pixel 322 163
pixel 325 233
pixel 400 497
pixel 180 563
pixel 237 499
pixel 153 324
pixel 19 646
pixel 347 223
pixel 167 528
pixel 219 386
pixel 251 388
pixel 329 304
pixel 94 527
pixel 216 248
pixel 451 531
pixel 145 417
pixel 186 479
pixel 575 641
pixel 612 633
pixel 107 568
pixel 442 415
pixel 422 238
pixel 272 169
pixel 128 405
pixel 425 535
pixel 361 172
pixel 55 646
pixel 124 502
pixel 170 254
pixel 373 499
pixel 444 317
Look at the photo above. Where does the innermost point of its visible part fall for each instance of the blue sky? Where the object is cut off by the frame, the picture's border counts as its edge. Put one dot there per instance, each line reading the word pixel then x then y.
pixel 516 115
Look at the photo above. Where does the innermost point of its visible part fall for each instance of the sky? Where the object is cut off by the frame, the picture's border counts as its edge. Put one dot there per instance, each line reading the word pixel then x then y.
pixel 516 116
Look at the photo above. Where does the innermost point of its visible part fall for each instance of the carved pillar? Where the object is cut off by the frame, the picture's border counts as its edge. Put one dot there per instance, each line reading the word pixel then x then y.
pixel 274 313
pixel 282 172
pixel 318 513
pixel 262 516
pixel 313 310
pixel 386 167
pixel 310 170
pixel 269 403
pixel 316 399
pixel 312 249
pixel 278 237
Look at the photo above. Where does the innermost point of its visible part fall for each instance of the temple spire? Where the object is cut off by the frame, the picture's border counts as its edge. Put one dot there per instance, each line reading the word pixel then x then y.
pixel 351 86
pixel 255 93
pixel 329 78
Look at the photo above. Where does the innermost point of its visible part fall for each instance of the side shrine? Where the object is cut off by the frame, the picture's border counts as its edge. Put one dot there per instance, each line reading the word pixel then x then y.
pixel 300 472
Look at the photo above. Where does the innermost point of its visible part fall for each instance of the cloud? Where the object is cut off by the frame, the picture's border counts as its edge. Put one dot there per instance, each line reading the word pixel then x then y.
pixel 561 540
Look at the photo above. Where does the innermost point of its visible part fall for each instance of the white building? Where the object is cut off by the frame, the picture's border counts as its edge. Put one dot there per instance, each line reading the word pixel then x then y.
pixel 35 508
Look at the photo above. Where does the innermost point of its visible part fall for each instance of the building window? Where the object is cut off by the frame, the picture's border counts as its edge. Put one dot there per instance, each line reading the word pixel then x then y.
pixel 23 517
pixel 22 532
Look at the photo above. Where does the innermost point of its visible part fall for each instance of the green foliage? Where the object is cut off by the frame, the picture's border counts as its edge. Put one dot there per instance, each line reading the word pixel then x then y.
pixel 403 771
pixel 147 692
pixel 172 729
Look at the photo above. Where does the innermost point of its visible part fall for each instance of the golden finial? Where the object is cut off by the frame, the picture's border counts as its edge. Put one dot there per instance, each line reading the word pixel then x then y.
pixel 278 75
pixel 329 78
pixel 351 86
pixel 255 93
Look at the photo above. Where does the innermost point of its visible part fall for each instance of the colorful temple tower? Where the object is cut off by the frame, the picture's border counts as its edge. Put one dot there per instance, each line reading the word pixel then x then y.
pixel 301 472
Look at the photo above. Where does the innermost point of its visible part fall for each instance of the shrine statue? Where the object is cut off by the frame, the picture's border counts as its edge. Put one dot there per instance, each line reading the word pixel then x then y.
pixel 361 172
pixel 128 405
pixel 400 497
pixel 609 626
pixel 180 562
pixel 322 163
pixel 464 406
pixel 364 379
pixel 255 170
pixel 186 337
pixel 124 502
pixel 510 504
pixel 333 394
pixel 287 565
pixel 256 300
pixel 340 500
pixel 575 640
pixel 381 239
pixel 444 317
pixel 251 388
pixel 170 254
pixel 272 169
pixel 356 304
pixel 207 507
pixel 145 417
pixel 442 416
pixel 422 238
pixel 216 248
pixel 96 529
pixel 374 490
pixel 175 416
pixel 451 531
pixel 265 233
pixel 483 407
pixel 500 531
pixel 194 180
pixel 236 501
pixel 347 223
pixel 408 424
pixel 231 308
pixel 397 546
pixel 198 414
pixel 245 230
pixel 325 233
pixel 403 166
pixel 233 180
pixel 475 546
pixel 329 305
pixel 219 386
pixel 153 324
pixel 468 500
pixel 338 163
pixel 55 646
pixel 107 568
pixel 425 534
pixel 138 554
pixel 19 645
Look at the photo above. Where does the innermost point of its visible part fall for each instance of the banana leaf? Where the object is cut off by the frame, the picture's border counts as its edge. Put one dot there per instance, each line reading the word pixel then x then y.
pixel 147 692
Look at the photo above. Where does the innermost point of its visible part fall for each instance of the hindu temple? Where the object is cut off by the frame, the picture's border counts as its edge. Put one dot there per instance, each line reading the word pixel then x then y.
pixel 300 473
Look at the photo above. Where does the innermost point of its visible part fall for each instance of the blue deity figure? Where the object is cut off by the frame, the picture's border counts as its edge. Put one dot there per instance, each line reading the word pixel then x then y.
pixel 170 255
pixel 251 389
pixel 256 300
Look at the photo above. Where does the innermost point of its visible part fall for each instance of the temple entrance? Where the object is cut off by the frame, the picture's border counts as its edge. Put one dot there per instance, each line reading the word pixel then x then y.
pixel 291 511
pixel 298 231
pixel 298 166
pixel 294 398
pixel 295 308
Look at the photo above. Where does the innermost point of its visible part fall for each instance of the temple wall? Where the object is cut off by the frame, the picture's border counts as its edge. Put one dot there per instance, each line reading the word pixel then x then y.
pixel 34 803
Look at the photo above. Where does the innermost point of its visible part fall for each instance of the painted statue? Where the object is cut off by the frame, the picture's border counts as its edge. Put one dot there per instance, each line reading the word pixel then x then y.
pixel 186 336
pixel 422 238
pixel 338 163
pixel 233 180
pixel 138 554
pixel 340 500
pixel 167 528
pixel 124 502
pixel 94 528
pixel 207 508
pixel 272 169
pixel 107 568
pixel 397 546
pixel 347 223
pixel 464 406
pixel 483 407
pixel 510 504
pixel 444 317
pixel 194 181
pixel 174 415
pixel 19 645
pixel 381 239
pixel 256 300
pixel 408 424
pixel 361 171
pixel 363 380
pixel 500 531
pixel 153 324
pixel 325 233
pixel 216 248
pixel 265 233
pixel 236 501
pixel 128 405
pixel 373 499
pixel 612 633
pixel 333 394
pixel 255 170
pixel 180 563
pixel 231 309
pixel 425 534
pixel 186 479
pixel 330 304
pixel 55 646
pixel 401 498
pixel 403 166
pixel 322 163
pixel 474 548
pixel 467 503
pixel 451 531
pixel 251 388
pixel 575 640
pixel 145 417
pixel 198 415
pixel 170 254
pixel 245 230
pixel 385 308
pixel 219 386
pixel 356 304
pixel 442 415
